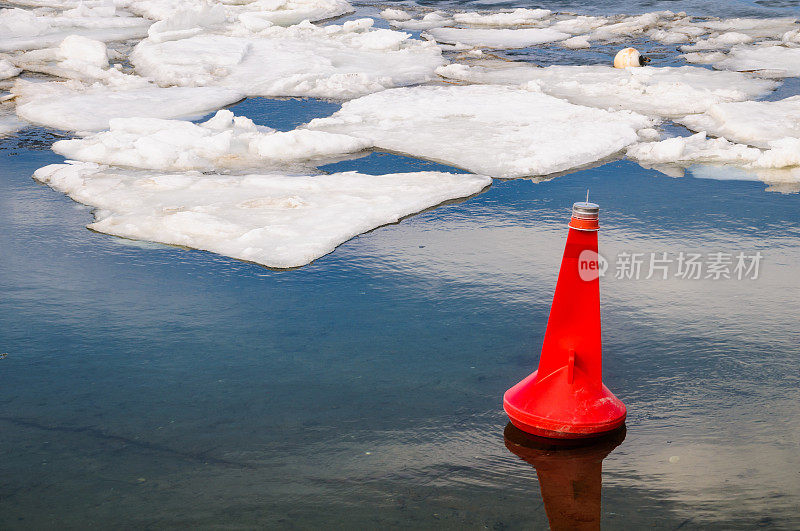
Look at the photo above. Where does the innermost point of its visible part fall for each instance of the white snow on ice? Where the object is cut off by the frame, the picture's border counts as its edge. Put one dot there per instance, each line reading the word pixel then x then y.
pixel 700 149
pixel 757 123
pixel 223 142
pixel 73 106
pixel 264 12
pixel 334 61
pixel 8 70
pixel 657 91
pixel 497 38
pixel 785 180
pixel 22 29
pixel 772 61
pixel 493 130
pixel 395 14
pixel 429 21
pixel 275 220
pixel 517 17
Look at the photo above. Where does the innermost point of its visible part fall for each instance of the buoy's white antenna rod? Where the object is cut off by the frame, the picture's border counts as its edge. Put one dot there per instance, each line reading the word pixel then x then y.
pixel 587 195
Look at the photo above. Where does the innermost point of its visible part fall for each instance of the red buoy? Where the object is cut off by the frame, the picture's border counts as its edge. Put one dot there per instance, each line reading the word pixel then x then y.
pixel 565 398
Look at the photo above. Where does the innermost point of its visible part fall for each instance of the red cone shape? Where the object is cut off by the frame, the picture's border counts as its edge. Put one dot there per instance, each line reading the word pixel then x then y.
pixel 566 398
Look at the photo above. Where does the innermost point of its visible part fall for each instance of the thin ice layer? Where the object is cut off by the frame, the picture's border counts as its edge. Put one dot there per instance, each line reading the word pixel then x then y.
pixel 223 142
pixel 8 70
pixel 497 38
pixel 773 61
pixel 431 20
pixel 279 12
pixel 9 123
pixel 22 29
pixel 663 91
pixel 489 129
pixel 275 220
pixel 757 123
pixel 698 148
pixel 304 60
pixel 73 106
pixel 786 180
pixel 80 58
pixel 517 17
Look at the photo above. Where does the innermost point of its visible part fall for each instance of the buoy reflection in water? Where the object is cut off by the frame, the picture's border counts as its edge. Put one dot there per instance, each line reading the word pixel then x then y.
pixel 569 472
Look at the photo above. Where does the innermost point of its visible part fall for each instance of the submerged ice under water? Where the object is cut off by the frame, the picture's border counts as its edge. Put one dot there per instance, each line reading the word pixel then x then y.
pixel 149 385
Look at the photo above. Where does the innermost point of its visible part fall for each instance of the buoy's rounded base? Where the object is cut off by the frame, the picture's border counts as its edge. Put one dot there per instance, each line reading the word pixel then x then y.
pixel 557 409
pixel 575 432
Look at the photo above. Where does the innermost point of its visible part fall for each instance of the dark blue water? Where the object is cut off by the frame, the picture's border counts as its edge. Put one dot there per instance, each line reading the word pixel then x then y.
pixel 146 386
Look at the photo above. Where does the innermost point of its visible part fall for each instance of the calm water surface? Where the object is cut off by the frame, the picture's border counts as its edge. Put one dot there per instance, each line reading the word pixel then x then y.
pixel 150 386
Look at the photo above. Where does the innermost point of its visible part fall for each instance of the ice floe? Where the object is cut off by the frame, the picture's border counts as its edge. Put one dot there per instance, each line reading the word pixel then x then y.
pixel 336 61
pixel 97 92
pixel 395 14
pixel 22 29
pixel 429 21
pixel 656 91
pixel 497 38
pixel 700 149
pixel 724 40
pixel 757 123
pixel 76 57
pixel 223 142
pixel 8 70
pixel 784 180
pixel 493 130
pixel 275 220
pixel 768 60
pixel 268 12
pixel 696 33
pixel 517 17
pixel 576 43
pixel 9 123
pixel 74 106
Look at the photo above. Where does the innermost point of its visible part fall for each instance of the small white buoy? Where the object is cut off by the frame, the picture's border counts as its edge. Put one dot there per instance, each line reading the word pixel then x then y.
pixel 629 57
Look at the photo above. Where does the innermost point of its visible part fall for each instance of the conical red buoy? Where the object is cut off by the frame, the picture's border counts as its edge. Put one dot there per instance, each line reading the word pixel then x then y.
pixel 565 398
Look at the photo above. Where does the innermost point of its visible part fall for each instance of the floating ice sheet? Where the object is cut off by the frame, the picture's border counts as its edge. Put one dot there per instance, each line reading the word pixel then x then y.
pixel 22 29
pixel 517 17
pixel 9 123
pixel 223 142
pixel 664 91
pixel 489 129
pixel 698 148
pixel 772 61
pixel 279 12
pixel 757 123
pixel 275 220
pixel 786 180
pixel 80 58
pixel 73 106
pixel 497 38
pixel 304 60
pixel 8 70
pixel 429 21
pixel 395 14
